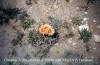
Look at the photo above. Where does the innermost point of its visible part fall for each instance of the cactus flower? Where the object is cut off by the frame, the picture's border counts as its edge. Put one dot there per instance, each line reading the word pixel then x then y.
pixel 46 29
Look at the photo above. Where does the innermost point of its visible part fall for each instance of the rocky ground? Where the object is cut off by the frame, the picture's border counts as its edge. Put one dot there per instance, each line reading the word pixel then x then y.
pixel 59 14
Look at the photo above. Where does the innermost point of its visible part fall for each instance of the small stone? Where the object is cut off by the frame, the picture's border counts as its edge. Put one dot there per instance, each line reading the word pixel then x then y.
pixel 70 40
pixel 73 28
pixel 31 7
pixel 94 48
pixel 98 26
pixel 77 8
pixel 97 38
pixel 94 21
pixel 57 44
pixel 85 12
pixel 85 19
pixel 55 6
pixel 74 44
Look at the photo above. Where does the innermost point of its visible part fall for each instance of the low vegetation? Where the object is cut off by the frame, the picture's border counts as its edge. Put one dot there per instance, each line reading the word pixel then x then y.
pixel 56 22
pixel 28 2
pixel 76 21
pixel 38 39
pixel 85 35
pixel 70 34
pixel 12 13
pixel 66 24
pixel 7 14
pixel 23 14
pixel 18 39
pixel 44 41
pixel 31 37
pixel 27 23
pixel 87 48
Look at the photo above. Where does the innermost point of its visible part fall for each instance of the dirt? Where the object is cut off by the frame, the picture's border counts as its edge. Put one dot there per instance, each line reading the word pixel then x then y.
pixel 39 10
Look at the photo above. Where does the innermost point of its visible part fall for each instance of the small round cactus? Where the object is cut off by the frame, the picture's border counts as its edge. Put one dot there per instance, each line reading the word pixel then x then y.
pixel 46 30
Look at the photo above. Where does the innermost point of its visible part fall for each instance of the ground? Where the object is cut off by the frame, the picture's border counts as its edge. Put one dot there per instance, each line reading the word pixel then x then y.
pixel 65 47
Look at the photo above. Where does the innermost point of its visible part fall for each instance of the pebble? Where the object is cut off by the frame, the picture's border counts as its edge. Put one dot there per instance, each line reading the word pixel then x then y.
pixel 98 26
pixel 74 44
pixel 77 8
pixel 94 48
pixel 85 12
pixel 85 19
pixel 57 44
pixel 70 40
pixel 73 28
pixel 97 38
pixel 31 7
pixel 55 6
pixel 94 21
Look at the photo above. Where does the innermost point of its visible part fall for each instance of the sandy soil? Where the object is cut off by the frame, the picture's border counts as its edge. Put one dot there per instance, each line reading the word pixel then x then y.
pixel 39 11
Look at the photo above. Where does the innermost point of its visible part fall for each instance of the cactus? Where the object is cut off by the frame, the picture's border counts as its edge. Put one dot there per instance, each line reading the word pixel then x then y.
pixel 85 35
